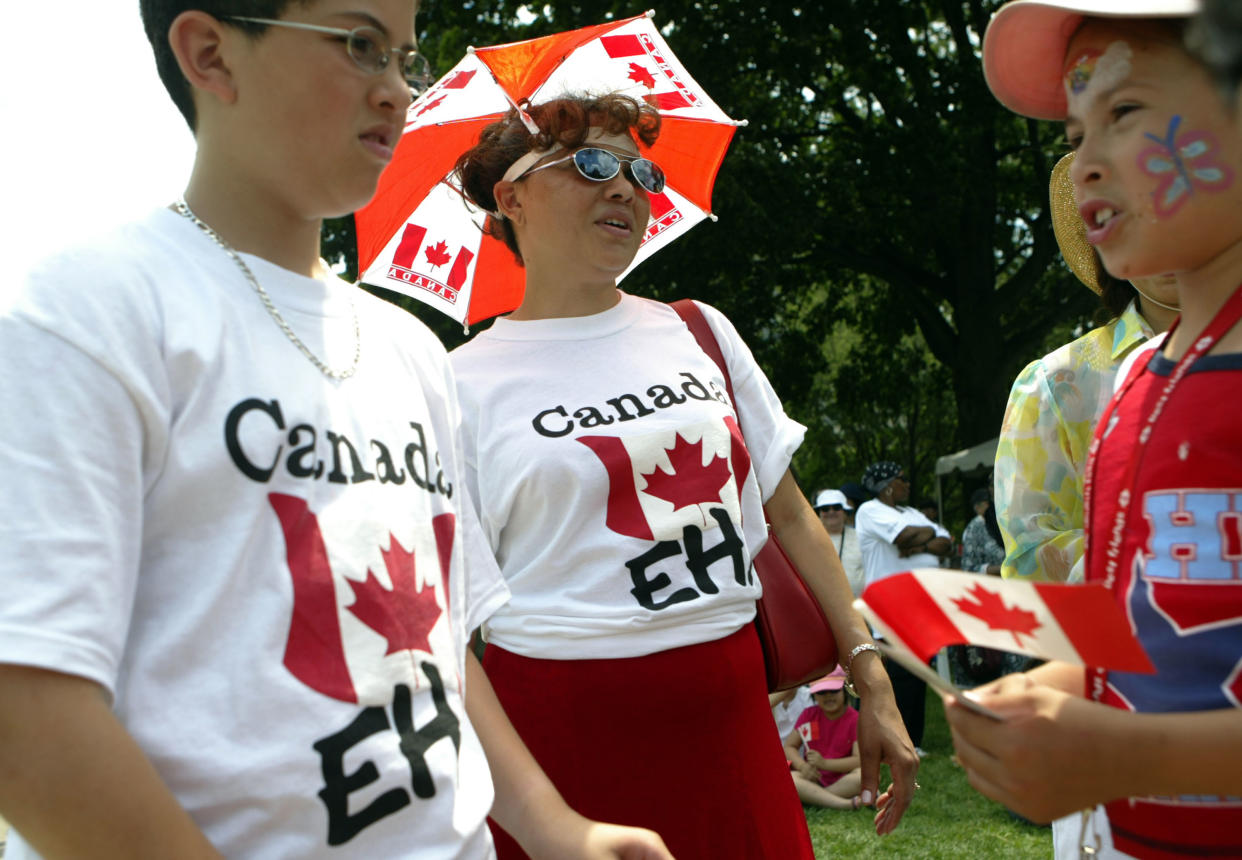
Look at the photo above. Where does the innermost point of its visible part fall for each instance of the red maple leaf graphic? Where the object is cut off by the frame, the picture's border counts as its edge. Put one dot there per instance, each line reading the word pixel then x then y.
pixel 640 75
pixel 405 615
pixel 989 607
pixel 690 482
pixel 431 105
pixel 437 255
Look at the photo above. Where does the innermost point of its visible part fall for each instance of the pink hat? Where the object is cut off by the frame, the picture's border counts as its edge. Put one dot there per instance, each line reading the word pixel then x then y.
pixel 1024 47
pixel 834 680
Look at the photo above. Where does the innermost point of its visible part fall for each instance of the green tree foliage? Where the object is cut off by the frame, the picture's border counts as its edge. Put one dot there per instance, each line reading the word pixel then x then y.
pixel 883 243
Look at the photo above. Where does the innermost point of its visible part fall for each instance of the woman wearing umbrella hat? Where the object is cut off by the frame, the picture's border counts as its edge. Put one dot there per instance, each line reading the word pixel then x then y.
pixel 624 510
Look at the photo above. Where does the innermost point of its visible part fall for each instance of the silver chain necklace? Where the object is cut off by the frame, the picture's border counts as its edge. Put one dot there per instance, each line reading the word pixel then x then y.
pixel 184 209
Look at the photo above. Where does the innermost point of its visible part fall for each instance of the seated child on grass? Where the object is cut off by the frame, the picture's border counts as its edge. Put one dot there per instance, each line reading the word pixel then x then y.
pixel 829 774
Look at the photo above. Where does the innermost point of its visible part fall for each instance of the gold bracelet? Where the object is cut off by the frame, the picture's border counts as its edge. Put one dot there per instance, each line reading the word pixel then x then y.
pixel 849 665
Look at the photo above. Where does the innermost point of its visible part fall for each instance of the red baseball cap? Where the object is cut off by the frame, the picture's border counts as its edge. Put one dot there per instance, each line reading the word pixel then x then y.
pixel 1024 47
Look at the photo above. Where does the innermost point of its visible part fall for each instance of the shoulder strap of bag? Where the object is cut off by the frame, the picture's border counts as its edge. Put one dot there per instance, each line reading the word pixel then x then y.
pixel 693 317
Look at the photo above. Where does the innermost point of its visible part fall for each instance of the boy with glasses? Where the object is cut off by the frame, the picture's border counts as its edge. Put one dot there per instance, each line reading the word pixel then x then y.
pixel 240 564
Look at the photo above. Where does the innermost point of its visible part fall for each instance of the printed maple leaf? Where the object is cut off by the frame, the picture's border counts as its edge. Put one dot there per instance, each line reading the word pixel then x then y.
pixel 437 255
pixel 690 482
pixel 431 105
pixel 989 607
pixel 640 75
pixel 405 615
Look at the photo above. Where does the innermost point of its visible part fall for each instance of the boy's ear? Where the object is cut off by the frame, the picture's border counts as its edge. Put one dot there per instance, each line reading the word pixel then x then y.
pixel 507 202
pixel 197 41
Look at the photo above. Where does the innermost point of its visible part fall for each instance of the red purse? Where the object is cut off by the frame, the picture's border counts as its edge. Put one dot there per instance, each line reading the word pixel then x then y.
pixel 797 640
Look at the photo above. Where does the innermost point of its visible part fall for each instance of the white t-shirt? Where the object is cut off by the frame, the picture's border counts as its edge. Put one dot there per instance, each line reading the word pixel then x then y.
pixel 621 505
pixel 851 557
pixel 878 525
pixel 272 574
pixel 786 714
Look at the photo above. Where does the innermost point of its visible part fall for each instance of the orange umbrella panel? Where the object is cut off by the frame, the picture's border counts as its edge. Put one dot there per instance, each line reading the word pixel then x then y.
pixel 420 237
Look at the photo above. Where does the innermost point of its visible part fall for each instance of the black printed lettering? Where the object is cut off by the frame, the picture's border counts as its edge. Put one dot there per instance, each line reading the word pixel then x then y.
pixel 730 547
pixel 589 416
pixel 662 397
pixel 618 403
pixel 311 448
pixel 388 473
pixel 419 450
pixel 416 742
pixel 555 421
pixel 645 588
pixel 337 476
pixel 233 444
pixel 692 385
pixel 301 462
pixel 337 785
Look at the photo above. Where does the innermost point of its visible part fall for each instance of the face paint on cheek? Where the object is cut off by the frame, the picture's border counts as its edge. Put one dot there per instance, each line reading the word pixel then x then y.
pixel 1094 72
pixel 1184 163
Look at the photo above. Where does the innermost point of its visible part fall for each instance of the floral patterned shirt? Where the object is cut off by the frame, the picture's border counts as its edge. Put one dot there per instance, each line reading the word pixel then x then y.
pixel 1053 407
pixel 979 548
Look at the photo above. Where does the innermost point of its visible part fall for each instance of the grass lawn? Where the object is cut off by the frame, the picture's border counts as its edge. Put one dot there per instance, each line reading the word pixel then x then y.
pixel 948 818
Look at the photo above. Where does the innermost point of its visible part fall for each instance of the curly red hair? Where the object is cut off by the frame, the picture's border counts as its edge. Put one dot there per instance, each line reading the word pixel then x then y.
pixel 565 121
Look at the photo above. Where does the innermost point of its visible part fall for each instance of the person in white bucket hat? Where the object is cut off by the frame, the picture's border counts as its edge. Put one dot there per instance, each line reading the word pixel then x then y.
pixel 832 507
pixel 1158 158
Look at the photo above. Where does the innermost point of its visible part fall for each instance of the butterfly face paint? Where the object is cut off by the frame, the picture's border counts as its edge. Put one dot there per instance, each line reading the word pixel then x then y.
pixel 1093 73
pixel 1184 163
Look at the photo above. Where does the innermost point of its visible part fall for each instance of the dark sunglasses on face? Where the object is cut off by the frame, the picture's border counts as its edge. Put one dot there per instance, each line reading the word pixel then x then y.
pixel 600 165
pixel 831 508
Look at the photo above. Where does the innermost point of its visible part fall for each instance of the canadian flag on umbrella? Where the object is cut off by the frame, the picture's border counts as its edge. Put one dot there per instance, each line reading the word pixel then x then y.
pixel 930 608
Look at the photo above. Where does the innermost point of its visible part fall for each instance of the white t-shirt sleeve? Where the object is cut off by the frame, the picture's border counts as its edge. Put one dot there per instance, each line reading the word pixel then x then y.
pixel 772 437
pixel 486 590
pixel 881 521
pixel 81 426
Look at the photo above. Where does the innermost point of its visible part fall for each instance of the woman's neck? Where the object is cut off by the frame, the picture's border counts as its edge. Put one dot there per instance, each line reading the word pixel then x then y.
pixel 550 296
pixel 1159 318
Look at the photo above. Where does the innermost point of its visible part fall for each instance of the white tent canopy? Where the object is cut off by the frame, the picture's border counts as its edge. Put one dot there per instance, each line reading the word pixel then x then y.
pixel 981 456
pixel 975 459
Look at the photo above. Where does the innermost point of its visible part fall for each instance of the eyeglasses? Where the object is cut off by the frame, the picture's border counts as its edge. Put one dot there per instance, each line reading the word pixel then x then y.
pixel 830 508
pixel 600 165
pixel 367 47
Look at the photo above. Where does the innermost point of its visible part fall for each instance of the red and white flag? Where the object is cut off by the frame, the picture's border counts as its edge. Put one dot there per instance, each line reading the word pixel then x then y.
pixel 930 608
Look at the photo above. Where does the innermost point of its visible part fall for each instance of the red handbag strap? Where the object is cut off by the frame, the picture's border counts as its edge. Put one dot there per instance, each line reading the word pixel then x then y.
pixel 693 317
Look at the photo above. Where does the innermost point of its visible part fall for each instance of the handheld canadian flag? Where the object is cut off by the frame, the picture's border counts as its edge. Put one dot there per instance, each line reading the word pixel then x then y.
pixel 931 608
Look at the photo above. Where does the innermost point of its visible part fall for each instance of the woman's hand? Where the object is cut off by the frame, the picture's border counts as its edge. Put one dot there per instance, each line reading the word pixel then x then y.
pixel 881 733
pixel 615 842
pixel 882 737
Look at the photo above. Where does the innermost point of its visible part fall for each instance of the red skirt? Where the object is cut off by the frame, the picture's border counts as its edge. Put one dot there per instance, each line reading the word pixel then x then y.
pixel 681 741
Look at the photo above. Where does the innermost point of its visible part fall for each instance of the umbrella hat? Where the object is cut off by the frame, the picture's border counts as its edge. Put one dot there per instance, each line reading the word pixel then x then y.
pixel 420 237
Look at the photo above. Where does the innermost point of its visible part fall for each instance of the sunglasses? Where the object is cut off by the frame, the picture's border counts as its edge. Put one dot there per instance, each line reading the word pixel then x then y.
pixel 600 165
pixel 831 508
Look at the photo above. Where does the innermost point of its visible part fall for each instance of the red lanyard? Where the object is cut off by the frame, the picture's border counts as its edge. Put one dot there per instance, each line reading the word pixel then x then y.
pixel 1224 320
